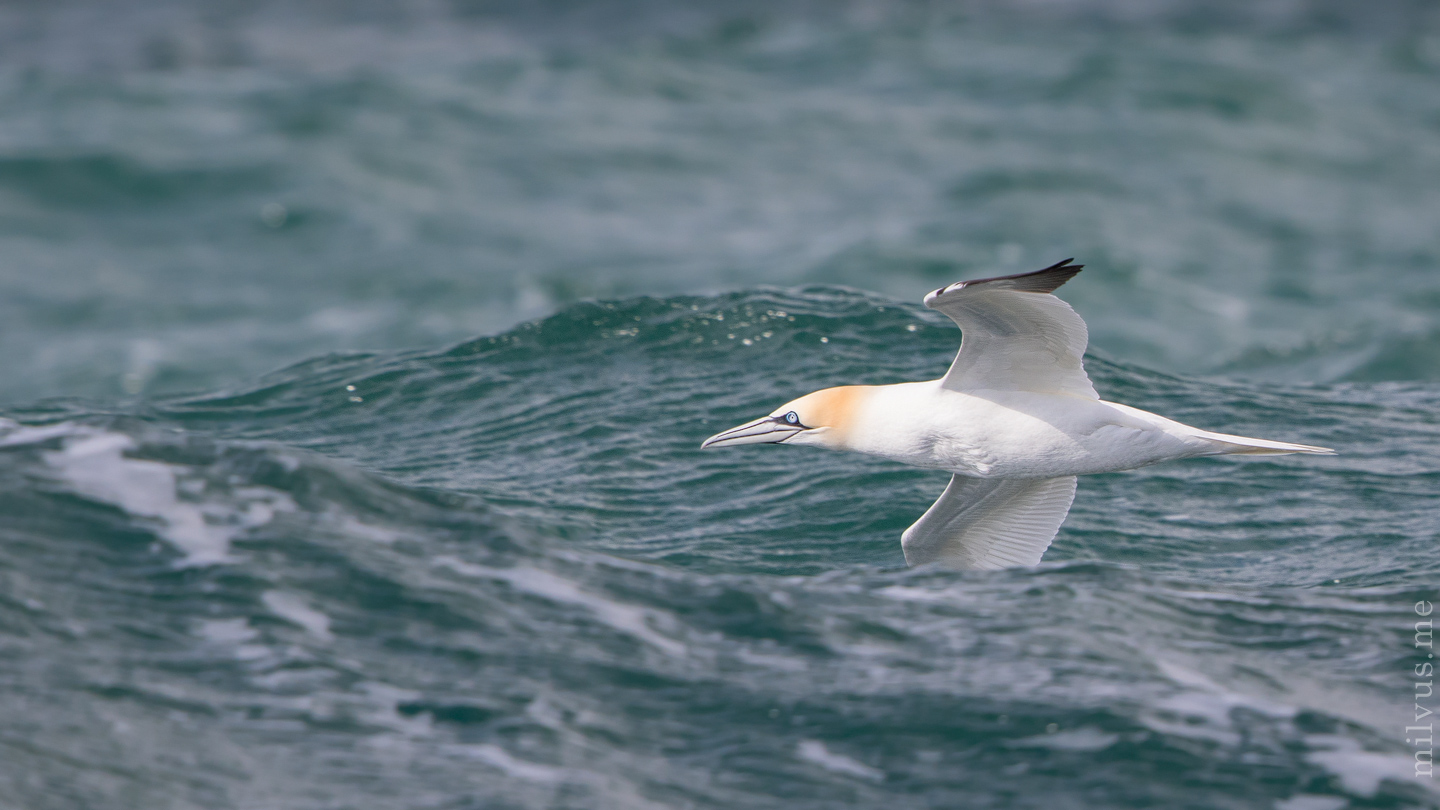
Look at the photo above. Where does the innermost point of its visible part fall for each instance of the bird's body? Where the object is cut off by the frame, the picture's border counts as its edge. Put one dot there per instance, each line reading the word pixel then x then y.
pixel 1013 434
pixel 1014 420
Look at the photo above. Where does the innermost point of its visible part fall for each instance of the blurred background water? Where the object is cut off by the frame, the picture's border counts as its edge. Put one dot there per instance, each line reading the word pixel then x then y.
pixel 356 355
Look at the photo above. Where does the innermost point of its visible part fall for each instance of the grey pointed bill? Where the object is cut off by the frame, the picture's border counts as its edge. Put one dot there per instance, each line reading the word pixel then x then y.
pixel 769 430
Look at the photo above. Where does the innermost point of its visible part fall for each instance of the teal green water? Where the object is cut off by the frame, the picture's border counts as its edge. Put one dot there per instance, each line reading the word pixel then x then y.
pixel 357 362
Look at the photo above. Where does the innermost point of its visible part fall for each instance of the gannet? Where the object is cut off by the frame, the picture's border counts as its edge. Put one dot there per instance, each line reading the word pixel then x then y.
pixel 1014 421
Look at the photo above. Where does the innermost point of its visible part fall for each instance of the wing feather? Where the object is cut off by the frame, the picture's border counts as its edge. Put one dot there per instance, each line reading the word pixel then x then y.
pixel 1015 335
pixel 985 523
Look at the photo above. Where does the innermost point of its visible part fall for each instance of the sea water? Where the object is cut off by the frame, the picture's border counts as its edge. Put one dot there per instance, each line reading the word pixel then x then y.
pixel 357 358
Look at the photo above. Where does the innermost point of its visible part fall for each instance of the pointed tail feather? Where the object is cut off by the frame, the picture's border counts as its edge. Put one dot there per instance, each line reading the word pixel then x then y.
pixel 1244 446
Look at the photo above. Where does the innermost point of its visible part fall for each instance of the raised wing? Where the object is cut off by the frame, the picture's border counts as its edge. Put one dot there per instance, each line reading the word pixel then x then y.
pixel 1016 336
pixel 990 522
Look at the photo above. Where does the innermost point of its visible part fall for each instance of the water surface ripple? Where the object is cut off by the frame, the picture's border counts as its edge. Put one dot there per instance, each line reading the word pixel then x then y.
pixel 278 530
pixel 503 574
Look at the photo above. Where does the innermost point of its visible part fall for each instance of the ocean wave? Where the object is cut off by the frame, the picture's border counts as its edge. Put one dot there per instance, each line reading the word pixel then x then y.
pixel 609 401
pixel 504 570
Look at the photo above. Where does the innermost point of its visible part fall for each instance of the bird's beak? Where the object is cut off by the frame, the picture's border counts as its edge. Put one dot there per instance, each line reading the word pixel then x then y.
pixel 768 430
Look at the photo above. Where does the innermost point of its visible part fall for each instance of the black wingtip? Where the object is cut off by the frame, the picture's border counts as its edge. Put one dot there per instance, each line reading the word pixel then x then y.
pixel 1038 281
pixel 1047 280
pixel 1041 281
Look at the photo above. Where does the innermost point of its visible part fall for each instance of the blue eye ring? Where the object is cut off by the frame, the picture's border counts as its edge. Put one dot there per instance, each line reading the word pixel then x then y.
pixel 792 418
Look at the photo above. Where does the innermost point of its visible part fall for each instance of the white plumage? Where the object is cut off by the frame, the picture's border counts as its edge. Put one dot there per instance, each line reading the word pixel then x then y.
pixel 1014 420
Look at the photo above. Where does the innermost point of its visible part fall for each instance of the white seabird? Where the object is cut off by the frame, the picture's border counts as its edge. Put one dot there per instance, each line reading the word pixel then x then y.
pixel 1014 420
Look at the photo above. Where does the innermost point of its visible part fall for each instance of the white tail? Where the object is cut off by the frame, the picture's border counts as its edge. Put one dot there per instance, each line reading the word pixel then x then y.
pixel 1244 446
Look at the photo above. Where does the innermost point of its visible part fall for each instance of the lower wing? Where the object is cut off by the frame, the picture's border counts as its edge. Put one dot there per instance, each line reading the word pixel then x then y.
pixel 990 523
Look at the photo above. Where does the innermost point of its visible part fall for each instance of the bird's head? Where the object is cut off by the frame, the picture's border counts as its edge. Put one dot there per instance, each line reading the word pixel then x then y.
pixel 823 418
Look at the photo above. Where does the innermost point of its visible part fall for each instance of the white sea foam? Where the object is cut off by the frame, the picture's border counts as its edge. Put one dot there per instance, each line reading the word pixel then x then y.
pixel 226 631
pixel 379 708
pixel 498 757
pixel 1312 801
pixel 13 434
pixel 234 634
pixel 350 527
pixel 1360 771
pixel 815 752
pixel 93 463
pixel 1216 701
pixel 1080 739
pixel 1211 704
pixel 628 619
pixel 295 610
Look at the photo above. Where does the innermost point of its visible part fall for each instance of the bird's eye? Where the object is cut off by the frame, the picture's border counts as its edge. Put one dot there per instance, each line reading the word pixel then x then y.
pixel 793 418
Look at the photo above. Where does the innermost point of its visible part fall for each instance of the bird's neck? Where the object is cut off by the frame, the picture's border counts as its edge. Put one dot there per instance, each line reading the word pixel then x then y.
pixel 897 422
pixel 867 418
